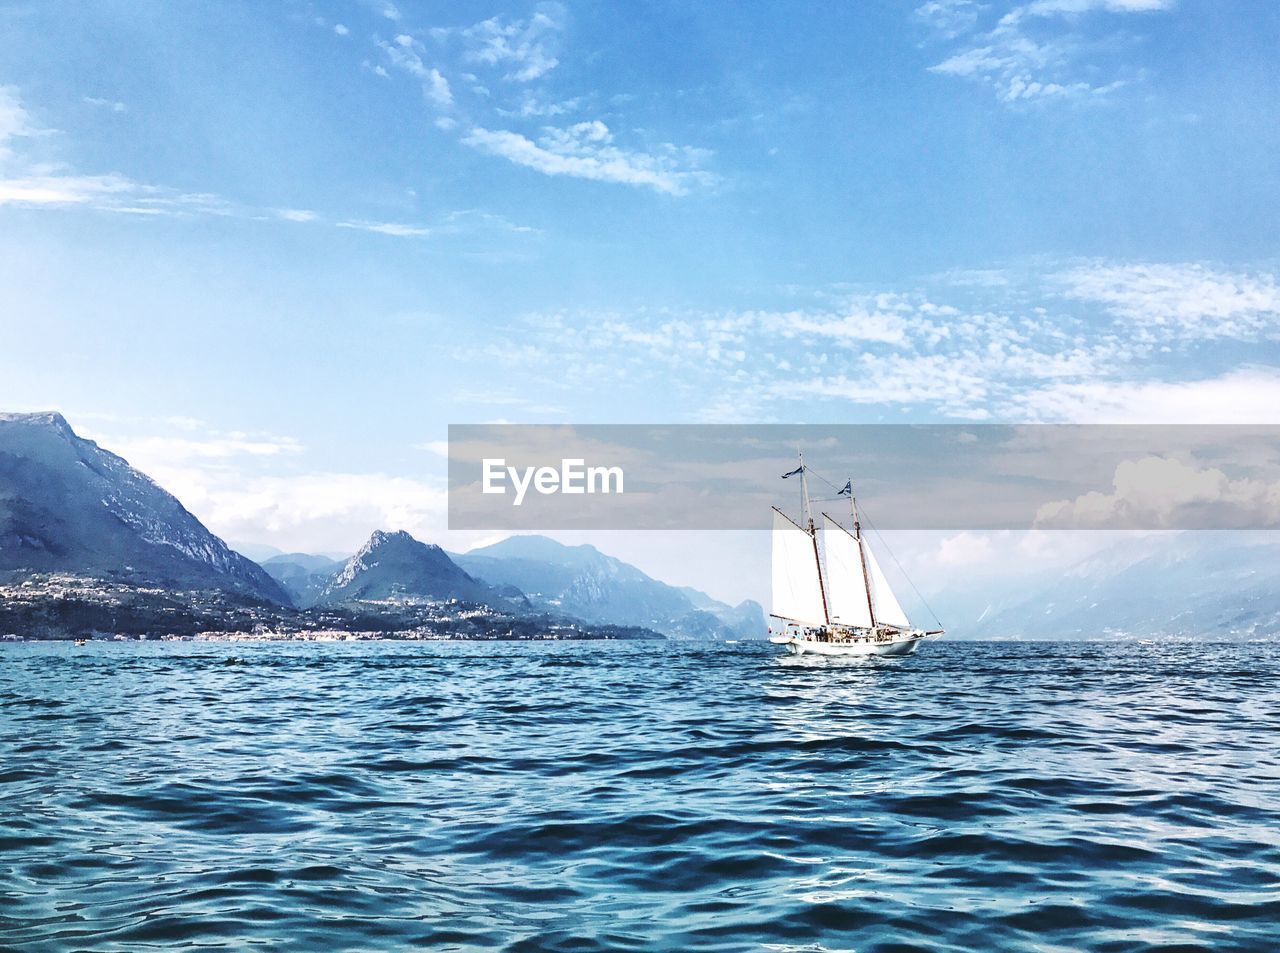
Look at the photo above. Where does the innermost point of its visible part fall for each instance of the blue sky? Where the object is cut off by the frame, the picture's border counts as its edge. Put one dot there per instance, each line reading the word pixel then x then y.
pixel 270 250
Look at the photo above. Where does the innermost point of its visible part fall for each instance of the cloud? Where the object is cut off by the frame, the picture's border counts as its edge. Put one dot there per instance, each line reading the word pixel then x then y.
pixel 395 229
pixel 149 452
pixel 926 379
pixel 14 120
pixel 340 29
pixel 964 549
pixel 25 184
pixel 1049 8
pixel 1157 492
pixel 297 215
pixel 310 512
pixel 438 447
pixel 586 151
pixel 111 104
pixel 436 89
pixel 1244 396
pixel 404 54
pixel 1186 300
pixel 526 47
pixel 1025 57
pixel 46 190
pixel 254 486
pixel 949 18
pixel 531 106
pixel 1016 346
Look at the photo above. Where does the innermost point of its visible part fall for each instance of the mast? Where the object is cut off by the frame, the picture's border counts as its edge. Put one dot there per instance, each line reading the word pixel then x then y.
pixel 813 535
pixel 857 534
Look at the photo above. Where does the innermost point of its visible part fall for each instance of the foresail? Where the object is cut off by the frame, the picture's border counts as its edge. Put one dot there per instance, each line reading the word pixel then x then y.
pixel 846 585
pixel 887 608
pixel 797 588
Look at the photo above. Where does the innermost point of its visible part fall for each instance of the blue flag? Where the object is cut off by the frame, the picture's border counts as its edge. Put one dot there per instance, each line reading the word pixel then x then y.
pixel 848 489
pixel 793 472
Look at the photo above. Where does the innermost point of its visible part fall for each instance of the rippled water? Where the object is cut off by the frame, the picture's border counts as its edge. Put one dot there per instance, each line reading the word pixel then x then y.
pixel 551 796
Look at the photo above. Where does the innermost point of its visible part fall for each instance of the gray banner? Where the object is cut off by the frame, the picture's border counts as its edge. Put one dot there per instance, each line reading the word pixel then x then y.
pixel 534 477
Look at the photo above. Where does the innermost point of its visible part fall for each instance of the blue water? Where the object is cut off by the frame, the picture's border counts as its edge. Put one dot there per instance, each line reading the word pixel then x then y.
pixel 551 796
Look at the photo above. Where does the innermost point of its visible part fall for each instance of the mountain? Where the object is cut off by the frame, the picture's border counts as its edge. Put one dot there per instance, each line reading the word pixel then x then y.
pixel 587 584
pixel 1192 584
pixel 395 566
pixel 302 575
pixel 68 506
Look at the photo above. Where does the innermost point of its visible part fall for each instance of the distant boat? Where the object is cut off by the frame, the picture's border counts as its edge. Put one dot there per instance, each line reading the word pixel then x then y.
pixel 833 598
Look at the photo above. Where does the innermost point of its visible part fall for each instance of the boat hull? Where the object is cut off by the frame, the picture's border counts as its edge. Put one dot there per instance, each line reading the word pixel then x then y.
pixel 859 648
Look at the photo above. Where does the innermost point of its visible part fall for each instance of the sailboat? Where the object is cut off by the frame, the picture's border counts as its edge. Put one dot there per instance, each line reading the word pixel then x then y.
pixel 838 605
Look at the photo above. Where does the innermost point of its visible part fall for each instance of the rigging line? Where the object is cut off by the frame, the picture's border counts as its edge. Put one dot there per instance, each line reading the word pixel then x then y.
pixel 901 569
pixel 814 472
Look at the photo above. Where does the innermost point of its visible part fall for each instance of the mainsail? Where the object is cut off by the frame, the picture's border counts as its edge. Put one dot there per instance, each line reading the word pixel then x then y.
pixel 887 608
pixel 846 583
pixel 797 585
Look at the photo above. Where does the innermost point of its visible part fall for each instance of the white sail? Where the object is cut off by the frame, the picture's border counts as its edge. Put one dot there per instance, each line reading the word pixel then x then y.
pixel 797 587
pixel 846 585
pixel 887 608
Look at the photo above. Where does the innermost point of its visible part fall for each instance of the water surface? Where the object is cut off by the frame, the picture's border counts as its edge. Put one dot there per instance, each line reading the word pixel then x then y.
pixel 553 796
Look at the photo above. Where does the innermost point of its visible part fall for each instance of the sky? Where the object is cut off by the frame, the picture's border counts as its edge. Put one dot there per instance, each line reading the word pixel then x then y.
pixel 269 251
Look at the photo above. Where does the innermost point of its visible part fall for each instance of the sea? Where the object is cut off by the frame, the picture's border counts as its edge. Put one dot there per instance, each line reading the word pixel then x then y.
pixel 543 796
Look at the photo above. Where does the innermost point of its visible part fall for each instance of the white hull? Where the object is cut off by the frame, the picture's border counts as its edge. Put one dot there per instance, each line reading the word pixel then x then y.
pixel 903 645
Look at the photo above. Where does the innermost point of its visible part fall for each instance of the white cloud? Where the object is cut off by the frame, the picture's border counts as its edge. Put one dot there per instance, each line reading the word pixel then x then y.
pixel 1245 396
pixel 586 151
pixel 340 29
pixel 45 190
pixel 526 47
pixel 928 379
pixel 1048 8
pixel 146 453
pixel 1022 68
pixel 396 229
pixel 438 447
pixel 436 88
pixel 1005 356
pixel 950 18
pixel 964 549
pixel 404 54
pixel 531 106
pixel 1157 492
pixel 1187 300
pixel 14 120
pixel 247 486
pixel 111 104
pixel 297 215
pixel 309 512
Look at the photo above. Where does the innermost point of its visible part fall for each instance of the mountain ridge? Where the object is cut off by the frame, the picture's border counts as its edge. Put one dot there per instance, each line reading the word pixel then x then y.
pixel 68 505
pixel 586 583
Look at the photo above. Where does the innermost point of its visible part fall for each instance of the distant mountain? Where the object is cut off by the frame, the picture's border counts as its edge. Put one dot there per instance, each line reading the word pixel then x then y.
pixel 398 567
pixel 587 584
pixel 68 506
pixel 1192 584
pixel 302 575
